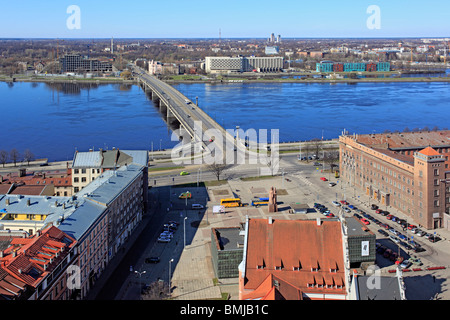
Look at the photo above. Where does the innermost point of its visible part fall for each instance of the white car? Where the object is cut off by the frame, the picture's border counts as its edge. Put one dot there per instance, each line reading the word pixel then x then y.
pixel 405 264
pixel 335 203
pixel 347 210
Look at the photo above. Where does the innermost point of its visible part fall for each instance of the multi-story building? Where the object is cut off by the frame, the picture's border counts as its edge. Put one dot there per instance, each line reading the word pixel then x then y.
pixel 407 171
pixel 78 64
pixel 35 267
pixel 110 209
pixel 312 267
pixel 101 217
pixel 87 166
pixel 243 64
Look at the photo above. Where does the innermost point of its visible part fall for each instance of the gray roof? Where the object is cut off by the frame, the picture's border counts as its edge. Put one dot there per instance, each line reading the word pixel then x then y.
pixel 81 219
pixel 92 159
pixel 37 204
pixel 389 288
pixel 139 156
pixel 108 158
pixel 109 184
pixel 355 228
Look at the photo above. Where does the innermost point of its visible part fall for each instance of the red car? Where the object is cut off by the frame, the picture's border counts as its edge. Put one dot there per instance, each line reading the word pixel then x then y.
pixel 378 211
pixel 365 221
pixel 330 215
pixel 323 179
pixel 389 216
pixel 344 202
pixel 411 226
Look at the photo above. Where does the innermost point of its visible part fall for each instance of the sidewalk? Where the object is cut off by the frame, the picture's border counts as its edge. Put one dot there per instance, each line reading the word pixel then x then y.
pixel 115 261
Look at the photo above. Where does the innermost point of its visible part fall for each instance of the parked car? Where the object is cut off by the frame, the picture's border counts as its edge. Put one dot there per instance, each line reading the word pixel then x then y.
pixel 382 232
pixel 421 233
pixel 411 227
pixel 323 179
pixel 405 264
pixel 434 238
pixel 384 213
pixel 394 238
pixel 164 239
pixel 152 260
pixel 357 216
pixel 332 184
pixel 378 211
pixel 344 202
pixel 374 207
pixel 336 204
pixel 347 210
pixel 389 216
pixel 401 236
pixel 365 221
pixel 415 261
pixel 330 215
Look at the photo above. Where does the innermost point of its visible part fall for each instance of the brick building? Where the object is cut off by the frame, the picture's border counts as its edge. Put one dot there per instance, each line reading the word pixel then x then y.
pixel 406 171
pixel 293 260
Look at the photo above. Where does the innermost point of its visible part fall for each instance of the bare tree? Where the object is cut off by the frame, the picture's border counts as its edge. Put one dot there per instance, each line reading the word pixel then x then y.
pixel 3 157
pixel 316 146
pixel 14 155
pixel 28 156
pixel 158 290
pixel 331 158
pixel 217 169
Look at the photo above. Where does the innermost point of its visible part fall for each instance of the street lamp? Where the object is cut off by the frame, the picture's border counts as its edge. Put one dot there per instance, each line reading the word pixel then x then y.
pixel 140 281
pixel 170 280
pixel 184 227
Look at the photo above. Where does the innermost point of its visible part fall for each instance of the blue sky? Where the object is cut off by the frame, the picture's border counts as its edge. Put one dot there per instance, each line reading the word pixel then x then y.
pixel 235 19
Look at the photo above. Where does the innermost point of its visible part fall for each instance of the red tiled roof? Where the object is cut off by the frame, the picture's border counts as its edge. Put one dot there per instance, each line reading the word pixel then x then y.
pixel 428 151
pixel 35 256
pixel 298 252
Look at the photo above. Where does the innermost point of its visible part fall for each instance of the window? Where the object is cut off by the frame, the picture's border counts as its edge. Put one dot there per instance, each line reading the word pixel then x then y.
pixel 83 179
pixel 76 171
pixel 436 172
pixel 76 179
pixel 83 170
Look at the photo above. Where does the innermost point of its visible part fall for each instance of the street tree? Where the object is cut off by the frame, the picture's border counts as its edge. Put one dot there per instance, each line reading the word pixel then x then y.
pixel 14 155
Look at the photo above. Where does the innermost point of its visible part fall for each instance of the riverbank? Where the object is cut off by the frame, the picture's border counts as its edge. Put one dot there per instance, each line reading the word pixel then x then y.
pixel 352 81
pixel 234 80
pixel 49 79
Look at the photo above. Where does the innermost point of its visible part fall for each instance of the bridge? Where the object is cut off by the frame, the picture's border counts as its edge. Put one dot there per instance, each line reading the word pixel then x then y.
pixel 178 109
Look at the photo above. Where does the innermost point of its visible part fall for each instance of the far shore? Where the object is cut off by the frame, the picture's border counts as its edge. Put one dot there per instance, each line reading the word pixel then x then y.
pixel 223 81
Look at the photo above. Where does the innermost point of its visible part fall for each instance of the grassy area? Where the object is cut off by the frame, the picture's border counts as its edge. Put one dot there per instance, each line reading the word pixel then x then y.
pixel 183 77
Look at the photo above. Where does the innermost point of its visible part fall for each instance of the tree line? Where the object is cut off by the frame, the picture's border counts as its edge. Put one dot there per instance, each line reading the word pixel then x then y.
pixel 15 156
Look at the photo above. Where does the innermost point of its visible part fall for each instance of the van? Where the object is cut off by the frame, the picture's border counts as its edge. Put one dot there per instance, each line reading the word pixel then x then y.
pixel 197 206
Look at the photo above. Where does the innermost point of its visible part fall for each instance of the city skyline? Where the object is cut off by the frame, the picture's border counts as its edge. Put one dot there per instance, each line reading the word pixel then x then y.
pixel 201 19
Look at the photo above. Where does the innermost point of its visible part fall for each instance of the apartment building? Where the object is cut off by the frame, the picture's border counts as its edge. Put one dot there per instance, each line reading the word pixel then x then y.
pixel 407 171
pixel 35 267
pixel 77 63
pixel 87 166
pixel 243 64
pixel 100 217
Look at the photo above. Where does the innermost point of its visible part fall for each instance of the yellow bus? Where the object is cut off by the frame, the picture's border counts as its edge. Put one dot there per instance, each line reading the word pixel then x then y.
pixel 231 202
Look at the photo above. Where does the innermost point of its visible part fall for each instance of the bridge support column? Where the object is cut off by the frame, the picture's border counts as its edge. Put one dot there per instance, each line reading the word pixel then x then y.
pixel 170 117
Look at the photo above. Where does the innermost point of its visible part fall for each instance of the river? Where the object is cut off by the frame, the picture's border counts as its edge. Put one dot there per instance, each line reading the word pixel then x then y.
pixel 55 120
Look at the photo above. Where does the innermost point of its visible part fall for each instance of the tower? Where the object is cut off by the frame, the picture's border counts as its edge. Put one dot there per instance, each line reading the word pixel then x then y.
pixel 112 45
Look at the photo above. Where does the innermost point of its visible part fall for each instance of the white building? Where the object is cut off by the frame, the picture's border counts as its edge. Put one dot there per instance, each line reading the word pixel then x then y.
pixel 243 64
